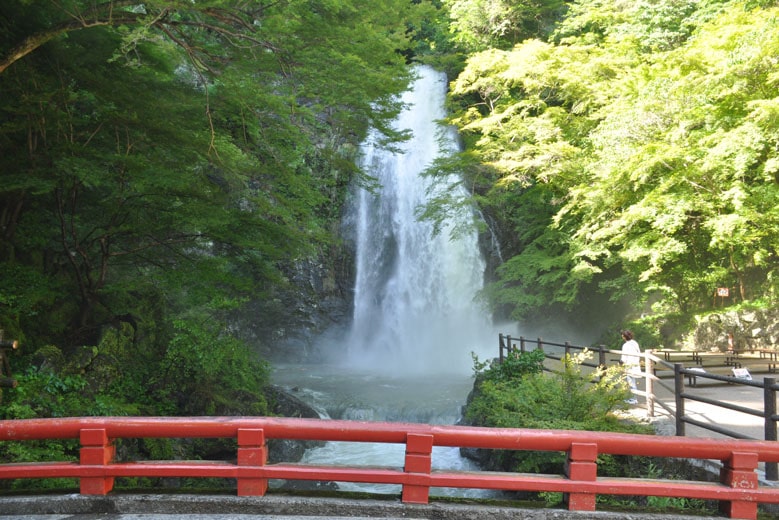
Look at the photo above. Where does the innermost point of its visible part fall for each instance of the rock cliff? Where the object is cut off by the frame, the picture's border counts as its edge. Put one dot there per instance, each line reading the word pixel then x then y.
pixel 749 329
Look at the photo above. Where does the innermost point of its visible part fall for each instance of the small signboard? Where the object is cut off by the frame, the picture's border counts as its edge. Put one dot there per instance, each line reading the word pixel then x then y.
pixel 723 292
pixel 742 373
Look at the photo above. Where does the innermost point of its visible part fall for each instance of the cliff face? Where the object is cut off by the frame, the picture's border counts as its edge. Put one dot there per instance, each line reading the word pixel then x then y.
pixel 286 324
pixel 750 329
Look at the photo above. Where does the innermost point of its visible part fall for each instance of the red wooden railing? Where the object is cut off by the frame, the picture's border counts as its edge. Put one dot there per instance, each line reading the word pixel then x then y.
pixel 738 491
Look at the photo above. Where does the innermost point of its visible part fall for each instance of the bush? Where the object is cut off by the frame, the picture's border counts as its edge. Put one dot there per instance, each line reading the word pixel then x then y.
pixel 523 396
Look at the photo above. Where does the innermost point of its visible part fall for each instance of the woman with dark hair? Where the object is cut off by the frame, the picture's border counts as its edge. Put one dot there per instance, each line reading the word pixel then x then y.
pixel 631 359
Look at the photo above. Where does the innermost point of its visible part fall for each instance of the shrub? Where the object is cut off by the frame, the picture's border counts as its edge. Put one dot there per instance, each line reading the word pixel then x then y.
pixel 568 399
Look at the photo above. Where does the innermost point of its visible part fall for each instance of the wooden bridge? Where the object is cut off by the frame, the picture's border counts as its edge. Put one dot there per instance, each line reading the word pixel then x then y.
pixel 738 491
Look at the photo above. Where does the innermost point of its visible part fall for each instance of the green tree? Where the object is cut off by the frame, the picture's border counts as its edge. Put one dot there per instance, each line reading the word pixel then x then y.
pixel 481 24
pixel 634 156
pixel 526 116
pixel 165 162
pixel 568 398
pixel 686 166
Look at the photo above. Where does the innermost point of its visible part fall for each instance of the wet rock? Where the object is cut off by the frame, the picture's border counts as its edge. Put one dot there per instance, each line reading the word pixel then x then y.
pixel 284 404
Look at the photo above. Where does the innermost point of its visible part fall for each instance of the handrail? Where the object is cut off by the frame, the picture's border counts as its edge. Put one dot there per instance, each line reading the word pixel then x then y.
pixel 738 491
pixel 769 386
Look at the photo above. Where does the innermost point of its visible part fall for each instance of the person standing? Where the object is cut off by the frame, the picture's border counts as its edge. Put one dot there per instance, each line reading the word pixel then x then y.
pixel 6 378
pixel 631 359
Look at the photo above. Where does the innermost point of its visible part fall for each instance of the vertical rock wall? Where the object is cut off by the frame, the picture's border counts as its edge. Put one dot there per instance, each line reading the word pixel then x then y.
pixel 751 329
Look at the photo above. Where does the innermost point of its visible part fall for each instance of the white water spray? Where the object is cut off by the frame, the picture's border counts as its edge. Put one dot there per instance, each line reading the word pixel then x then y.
pixel 414 306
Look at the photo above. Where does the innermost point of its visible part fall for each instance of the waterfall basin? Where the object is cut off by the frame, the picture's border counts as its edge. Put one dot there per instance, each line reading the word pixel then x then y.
pixel 348 394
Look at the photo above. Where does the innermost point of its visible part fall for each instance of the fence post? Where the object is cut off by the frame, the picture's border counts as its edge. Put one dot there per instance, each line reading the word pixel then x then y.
pixel 602 355
pixel 508 344
pixel 252 451
pixel 649 367
pixel 769 408
pixel 567 349
pixel 500 347
pixel 540 345
pixel 739 471
pixel 581 464
pixel 419 463
pixel 522 343
pixel 678 391
pixel 96 450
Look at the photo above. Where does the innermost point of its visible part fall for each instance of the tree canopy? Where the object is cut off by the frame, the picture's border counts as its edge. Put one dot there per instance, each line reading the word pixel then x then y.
pixel 163 161
pixel 633 152
pixel 166 161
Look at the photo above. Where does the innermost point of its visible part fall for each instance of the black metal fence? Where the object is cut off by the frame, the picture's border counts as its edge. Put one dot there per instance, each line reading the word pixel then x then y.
pixel 653 364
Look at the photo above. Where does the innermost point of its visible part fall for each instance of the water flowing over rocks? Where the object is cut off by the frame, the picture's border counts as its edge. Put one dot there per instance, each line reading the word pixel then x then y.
pixel 285 404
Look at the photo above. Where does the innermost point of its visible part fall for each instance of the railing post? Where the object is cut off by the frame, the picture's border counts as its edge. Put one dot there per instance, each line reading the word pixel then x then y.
pixel 769 409
pixel 522 344
pixel 567 349
pixel 419 461
pixel 252 451
pixel 508 344
pixel 581 465
pixel 540 345
pixel 678 391
pixel 96 450
pixel 500 347
pixel 602 355
pixel 739 471
pixel 649 367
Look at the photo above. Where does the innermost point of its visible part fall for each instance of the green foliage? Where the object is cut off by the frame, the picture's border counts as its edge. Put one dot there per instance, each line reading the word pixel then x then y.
pixel 480 24
pixel 633 155
pixel 41 451
pixel 566 399
pixel 164 166
pixel 514 366
pixel 205 372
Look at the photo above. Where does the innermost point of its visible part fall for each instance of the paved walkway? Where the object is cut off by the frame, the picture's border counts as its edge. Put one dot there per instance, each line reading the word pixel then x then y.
pixel 746 424
pixel 221 507
pixel 744 396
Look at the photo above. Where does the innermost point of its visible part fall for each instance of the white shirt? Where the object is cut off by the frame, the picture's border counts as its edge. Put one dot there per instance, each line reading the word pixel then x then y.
pixel 631 354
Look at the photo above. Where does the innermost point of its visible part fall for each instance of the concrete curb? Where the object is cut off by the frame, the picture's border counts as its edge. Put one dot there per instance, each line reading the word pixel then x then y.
pixel 225 507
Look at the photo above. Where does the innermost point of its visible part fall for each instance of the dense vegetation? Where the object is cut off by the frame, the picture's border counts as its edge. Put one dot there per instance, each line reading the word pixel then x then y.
pixel 518 393
pixel 166 162
pixel 630 156
pixel 163 162
pixel 529 391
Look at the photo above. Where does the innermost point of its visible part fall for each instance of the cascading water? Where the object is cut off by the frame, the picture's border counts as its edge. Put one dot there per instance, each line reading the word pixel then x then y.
pixel 416 320
pixel 414 300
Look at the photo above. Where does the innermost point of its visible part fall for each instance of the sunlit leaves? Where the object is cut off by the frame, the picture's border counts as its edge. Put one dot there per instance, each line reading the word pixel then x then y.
pixel 655 126
pixel 479 24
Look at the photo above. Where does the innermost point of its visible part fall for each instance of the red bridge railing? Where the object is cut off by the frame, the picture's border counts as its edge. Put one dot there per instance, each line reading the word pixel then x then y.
pixel 738 491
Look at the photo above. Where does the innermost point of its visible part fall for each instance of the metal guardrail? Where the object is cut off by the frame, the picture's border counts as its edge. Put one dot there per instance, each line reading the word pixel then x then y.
pixel 738 491
pixel 652 363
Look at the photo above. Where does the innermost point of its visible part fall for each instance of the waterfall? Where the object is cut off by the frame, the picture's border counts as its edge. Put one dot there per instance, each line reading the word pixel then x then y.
pixel 414 303
pixel 416 319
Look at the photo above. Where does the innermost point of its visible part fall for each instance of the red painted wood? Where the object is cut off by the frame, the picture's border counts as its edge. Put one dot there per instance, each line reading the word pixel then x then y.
pixel 96 450
pixel 581 465
pixel 738 491
pixel 419 449
pixel 252 451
